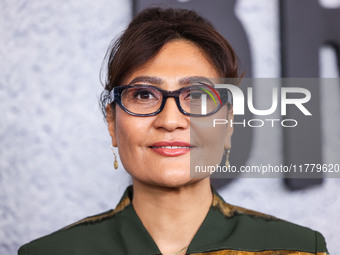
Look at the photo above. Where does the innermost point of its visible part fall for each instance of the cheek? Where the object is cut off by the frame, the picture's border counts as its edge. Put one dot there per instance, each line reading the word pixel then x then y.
pixel 208 139
pixel 203 130
pixel 132 133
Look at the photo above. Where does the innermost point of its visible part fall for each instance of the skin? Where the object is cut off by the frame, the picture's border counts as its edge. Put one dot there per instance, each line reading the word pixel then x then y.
pixel 170 203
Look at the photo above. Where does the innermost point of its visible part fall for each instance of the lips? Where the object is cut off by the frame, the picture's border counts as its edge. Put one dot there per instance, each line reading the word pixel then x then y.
pixel 171 148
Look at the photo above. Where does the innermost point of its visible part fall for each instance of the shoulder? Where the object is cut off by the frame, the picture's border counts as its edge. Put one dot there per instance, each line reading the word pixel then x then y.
pixel 82 237
pixel 265 232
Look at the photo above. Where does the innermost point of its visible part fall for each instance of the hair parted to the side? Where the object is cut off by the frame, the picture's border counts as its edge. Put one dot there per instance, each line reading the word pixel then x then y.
pixel 150 30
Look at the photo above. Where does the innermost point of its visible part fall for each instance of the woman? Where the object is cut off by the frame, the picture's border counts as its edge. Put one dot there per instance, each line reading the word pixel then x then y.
pixel 158 95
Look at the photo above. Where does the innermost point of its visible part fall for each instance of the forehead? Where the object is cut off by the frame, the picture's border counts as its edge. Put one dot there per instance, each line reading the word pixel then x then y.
pixel 175 62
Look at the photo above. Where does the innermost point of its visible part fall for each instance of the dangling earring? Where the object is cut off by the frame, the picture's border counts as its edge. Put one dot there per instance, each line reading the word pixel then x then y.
pixel 115 163
pixel 227 164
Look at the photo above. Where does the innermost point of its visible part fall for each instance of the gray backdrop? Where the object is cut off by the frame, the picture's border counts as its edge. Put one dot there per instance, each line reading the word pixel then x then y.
pixel 56 165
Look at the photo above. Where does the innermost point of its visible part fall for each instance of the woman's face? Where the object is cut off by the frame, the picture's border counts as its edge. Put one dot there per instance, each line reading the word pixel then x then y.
pixel 140 139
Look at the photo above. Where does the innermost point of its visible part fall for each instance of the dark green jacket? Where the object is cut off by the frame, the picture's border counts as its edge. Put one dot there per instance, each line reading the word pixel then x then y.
pixel 226 230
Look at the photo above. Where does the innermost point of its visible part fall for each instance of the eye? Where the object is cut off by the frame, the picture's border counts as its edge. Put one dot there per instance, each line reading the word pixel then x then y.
pixel 195 95
pixel 144 94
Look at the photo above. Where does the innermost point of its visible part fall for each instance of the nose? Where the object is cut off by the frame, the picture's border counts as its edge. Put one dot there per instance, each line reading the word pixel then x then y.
pixel 170 118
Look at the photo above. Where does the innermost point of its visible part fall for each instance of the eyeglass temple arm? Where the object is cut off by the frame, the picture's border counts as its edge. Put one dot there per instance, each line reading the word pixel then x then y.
pixel 230 97
pixel 111 96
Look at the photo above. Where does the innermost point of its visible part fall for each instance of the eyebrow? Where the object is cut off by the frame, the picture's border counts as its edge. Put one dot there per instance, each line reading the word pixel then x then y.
pixel 147 79
pixel 183 81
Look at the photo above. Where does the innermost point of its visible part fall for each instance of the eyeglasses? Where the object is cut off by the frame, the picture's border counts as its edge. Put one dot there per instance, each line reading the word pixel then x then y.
pixel 147 100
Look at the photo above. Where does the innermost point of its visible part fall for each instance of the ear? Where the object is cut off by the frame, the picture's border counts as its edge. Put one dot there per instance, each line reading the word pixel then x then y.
pixel 111 121
pixel 229 129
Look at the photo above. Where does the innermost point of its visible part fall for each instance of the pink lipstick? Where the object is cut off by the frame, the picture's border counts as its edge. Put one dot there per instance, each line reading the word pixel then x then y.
pixel 171 148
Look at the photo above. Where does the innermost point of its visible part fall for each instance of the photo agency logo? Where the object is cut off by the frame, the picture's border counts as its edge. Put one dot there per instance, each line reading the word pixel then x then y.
pixel 204 102
pixel 236 97
pixel 291 104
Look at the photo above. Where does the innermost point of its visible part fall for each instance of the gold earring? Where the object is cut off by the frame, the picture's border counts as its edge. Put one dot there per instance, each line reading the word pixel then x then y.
pixel 227 164
pixel 115 163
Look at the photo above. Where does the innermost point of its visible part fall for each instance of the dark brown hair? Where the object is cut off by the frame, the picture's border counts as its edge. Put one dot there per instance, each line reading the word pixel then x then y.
pixel 150 30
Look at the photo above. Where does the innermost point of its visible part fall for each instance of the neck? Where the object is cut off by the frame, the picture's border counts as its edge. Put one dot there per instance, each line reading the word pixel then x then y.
pixel 172 216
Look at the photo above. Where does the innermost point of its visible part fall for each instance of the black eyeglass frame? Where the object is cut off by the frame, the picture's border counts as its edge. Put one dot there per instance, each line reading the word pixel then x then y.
pixel 115 96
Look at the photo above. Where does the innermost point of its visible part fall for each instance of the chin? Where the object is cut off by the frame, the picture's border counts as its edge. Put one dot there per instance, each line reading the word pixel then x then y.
pixel 175 176
pixel 176 179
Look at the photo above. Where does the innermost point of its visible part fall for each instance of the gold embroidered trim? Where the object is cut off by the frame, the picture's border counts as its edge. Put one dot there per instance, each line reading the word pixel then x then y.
pixel 230 210
pixel 268 252
pixel 124 203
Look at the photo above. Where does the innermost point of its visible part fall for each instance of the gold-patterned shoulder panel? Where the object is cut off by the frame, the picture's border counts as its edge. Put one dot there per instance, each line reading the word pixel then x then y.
pixel 268 252
pixel 230 210
pixel 124 203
